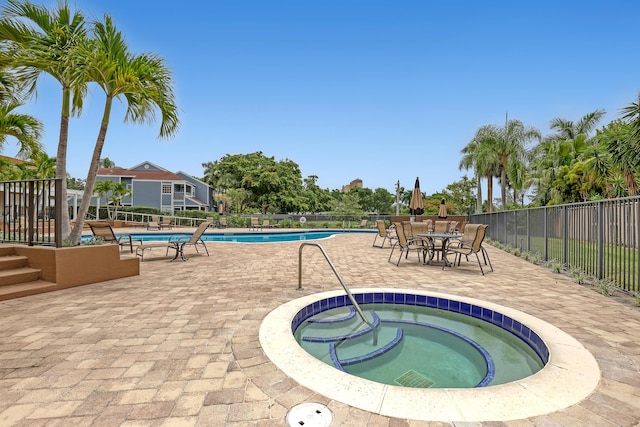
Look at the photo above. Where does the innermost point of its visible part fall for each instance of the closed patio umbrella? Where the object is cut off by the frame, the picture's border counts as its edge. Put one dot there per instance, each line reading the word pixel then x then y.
pixel 442 210
pixel 416 207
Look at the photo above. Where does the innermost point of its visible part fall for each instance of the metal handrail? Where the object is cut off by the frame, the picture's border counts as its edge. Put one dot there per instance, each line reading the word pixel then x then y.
pixel 344 285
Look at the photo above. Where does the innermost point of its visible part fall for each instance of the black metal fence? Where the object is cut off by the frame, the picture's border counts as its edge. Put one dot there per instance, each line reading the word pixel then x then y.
pixel 599 238
pixel 30 209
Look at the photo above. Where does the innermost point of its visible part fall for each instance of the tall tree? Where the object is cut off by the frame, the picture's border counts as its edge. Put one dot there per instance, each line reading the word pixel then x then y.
pixel 145 83
pixel 511 150
pixel 24 128
pixel 48 41
pixel 481 155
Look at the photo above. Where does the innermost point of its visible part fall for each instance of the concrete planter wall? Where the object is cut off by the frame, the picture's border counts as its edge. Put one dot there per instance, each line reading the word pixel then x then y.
pixel 79 265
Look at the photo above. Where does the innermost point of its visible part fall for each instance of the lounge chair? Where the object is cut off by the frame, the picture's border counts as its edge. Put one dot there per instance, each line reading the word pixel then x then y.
pixel 267 224
pixel 178 243
pixel 255 223
pixel 222 222
pixel 154 224
pixel 385 233
pixel 103 231
pixel 166 223
pixel 468 247
pixel 405 245
pixel 364 223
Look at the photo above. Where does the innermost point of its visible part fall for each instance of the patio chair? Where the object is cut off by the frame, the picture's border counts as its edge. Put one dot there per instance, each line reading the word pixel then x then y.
pixel 178 243
pixel 103 231
pixel 222 222
pixel 364 223
pixel 474 246
pixel 154 224
pixel 429 224
pixel 405 245
pixel 267 224
pixel 406 227
pixel 441 227
pixel 419 227
pixel 385 233
pixel 255 223
pixel 166 223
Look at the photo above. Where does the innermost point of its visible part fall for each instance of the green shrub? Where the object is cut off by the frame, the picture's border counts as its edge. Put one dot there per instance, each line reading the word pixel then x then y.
pixel 603 287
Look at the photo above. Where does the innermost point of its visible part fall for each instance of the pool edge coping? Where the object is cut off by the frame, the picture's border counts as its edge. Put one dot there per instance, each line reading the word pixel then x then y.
pixel 571 374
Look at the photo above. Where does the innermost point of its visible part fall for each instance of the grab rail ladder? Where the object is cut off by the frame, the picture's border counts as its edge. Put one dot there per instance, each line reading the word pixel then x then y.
pixel 344 285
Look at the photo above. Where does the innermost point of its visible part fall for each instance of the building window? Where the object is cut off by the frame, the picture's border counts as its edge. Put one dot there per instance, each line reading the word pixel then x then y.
pixel 191 190
pixel 166 188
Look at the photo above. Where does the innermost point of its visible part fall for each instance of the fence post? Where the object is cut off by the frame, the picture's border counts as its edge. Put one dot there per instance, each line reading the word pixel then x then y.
pixel 528 230
pixel 31 212
pixel 565 235
pixel 58 212
pixel 546 234
pixel 600 241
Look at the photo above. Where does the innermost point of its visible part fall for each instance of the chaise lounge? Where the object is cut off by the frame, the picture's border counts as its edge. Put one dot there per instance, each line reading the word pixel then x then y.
pixel 178 243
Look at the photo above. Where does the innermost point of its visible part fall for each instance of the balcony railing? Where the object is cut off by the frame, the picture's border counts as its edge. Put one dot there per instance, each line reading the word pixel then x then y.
pixel 599 238
pixel 30 209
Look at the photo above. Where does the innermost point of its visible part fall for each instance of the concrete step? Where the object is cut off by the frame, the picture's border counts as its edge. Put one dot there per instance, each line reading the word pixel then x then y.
pixel 6 250
pixel 24 289
pixel 19 275
pixel 9 262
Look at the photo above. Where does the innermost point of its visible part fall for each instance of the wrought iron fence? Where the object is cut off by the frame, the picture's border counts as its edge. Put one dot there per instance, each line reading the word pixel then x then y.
pixel 599 238
pixel 30 209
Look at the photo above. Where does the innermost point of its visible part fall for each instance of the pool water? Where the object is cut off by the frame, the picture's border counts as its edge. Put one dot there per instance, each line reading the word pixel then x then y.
pixel 417 346
pixel 262 237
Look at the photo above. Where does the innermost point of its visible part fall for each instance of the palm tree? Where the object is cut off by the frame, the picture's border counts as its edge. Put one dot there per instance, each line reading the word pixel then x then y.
pixel 103 189
pixel 26 129
pixel 567 129
pixel 511 149
pixel 119 192
pixel 480 154
pixel 47 41
pixel 144 81
pixel 569 144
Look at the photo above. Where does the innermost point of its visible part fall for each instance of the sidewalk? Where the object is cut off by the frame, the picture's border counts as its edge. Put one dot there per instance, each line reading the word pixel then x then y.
pixel 178 345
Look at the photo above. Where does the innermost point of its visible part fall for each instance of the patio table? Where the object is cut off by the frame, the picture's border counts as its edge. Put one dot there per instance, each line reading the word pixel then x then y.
pixel 444 238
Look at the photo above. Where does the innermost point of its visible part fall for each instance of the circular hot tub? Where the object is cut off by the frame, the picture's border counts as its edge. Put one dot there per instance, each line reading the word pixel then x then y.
pixel 567 371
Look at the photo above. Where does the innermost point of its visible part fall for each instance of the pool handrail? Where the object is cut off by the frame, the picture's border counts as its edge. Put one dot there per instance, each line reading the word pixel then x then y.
pixel 344 285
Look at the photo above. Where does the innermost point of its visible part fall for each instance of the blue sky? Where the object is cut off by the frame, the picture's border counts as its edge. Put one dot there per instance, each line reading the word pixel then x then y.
pixel 377 90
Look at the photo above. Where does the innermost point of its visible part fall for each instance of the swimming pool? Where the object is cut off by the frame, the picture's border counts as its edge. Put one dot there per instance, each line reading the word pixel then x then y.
pixel 248 237
pixel 570 373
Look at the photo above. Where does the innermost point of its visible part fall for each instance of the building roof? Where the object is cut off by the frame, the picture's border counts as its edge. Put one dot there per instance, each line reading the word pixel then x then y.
pixel 12 159
pixel 141 175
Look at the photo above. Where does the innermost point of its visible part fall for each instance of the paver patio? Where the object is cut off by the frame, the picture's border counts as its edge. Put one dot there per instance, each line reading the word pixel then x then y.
pixel 178 345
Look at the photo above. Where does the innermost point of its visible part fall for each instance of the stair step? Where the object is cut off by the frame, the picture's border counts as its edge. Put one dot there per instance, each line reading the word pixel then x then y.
pixel 19 275
pixel 8 262
pixel 26 288
pixel 7 250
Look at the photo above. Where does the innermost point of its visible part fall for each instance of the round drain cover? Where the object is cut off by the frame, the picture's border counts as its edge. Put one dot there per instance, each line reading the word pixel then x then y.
pixel 309 415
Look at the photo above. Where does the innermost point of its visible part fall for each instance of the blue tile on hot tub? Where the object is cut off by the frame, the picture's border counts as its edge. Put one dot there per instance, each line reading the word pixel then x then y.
pixel 432 302
pixel 421 300
pixel 443 304
pixel 476 311
pixel 387 298
pixel 398 298
pixel 410 299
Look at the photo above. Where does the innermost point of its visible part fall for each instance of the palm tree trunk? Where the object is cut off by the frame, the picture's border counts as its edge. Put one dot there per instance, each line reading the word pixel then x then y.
pixel 490 193
pixel 632 185
pixel 76 234
pixel 61 162
pixel 478 195
pixel 503 189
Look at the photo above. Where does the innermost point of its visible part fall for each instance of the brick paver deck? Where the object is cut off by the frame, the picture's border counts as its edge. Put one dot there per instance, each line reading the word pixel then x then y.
pixel 178 345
